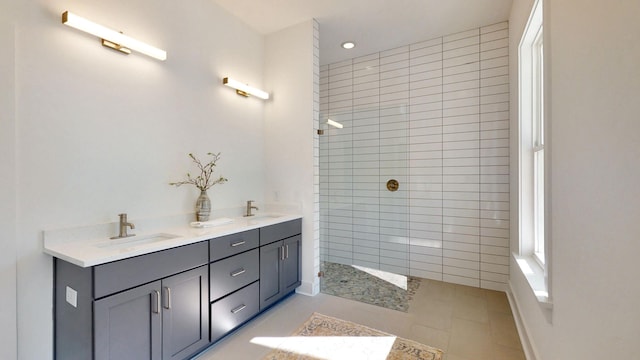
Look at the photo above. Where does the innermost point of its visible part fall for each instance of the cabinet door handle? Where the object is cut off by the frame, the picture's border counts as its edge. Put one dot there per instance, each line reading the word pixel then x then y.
pixel 238 309
pixel 155 308
pixel 241 242
pixel 238 272
pixel 282 252
pixel 286 247
pixel 167 303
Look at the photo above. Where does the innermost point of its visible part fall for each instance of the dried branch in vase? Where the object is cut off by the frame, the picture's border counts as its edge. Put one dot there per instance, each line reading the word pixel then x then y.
pixel 205 180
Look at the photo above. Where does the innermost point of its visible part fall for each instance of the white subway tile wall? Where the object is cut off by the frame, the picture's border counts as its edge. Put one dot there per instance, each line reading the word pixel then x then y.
pixel 434 116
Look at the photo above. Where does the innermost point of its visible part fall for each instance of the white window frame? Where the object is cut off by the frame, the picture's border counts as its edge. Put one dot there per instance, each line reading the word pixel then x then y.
pixel 533 254
pixel 537 120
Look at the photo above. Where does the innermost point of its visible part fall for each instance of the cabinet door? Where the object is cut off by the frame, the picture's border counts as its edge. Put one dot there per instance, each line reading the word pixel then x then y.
pixel 128 325
pixel 290 272
pixel 270 262
pixel 185 313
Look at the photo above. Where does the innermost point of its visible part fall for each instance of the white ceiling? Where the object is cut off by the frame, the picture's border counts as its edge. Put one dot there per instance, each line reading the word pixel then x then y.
pixel 374 25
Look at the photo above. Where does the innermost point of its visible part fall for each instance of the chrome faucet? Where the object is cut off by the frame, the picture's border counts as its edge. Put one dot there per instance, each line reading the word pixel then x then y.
pixel 250 207
pixel 123 227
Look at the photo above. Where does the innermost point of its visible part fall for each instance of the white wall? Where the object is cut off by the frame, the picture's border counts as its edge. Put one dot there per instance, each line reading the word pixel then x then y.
pixel 537 318
pixel 8 244
pixel 595 199
pixel 289 129
pixel 100 133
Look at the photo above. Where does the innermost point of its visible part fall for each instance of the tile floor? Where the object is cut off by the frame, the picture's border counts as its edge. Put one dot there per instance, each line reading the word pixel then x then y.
pixel 370 286
pixel 467 323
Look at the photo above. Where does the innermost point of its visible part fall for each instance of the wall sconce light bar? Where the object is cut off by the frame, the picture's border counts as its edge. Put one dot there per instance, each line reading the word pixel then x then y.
pixel 334 124
pixel 115 46
pixel 111 38
pixel 245 90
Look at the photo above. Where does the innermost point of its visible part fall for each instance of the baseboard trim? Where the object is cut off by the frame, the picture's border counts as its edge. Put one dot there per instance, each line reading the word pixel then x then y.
pixel 527 346
pixel 308 289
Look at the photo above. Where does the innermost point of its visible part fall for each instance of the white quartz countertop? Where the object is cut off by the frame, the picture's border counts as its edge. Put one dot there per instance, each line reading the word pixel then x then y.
pixel 92 246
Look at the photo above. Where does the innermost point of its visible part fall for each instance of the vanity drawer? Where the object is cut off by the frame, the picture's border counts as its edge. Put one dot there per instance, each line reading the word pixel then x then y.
pixel 271 233
pixel 232 273
pixel 230 312
pixel 229 245
pixel 124 274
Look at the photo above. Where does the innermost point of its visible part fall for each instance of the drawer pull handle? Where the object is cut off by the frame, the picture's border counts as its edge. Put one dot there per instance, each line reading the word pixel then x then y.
pixel 238 309
pixel 238 272
pixel 167 303
pixel 156 302
pixel 241 242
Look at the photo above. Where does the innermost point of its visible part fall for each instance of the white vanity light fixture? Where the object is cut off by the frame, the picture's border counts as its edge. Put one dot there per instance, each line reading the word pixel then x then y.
pixel 244 89
pixel 111 38
pixel 348 45
pixel 334 124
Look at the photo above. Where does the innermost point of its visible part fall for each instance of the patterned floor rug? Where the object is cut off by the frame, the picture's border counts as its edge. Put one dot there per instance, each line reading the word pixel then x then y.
pixel 325 337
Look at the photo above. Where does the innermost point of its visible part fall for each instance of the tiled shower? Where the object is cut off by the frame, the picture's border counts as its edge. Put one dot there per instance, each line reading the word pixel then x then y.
pixel 433 116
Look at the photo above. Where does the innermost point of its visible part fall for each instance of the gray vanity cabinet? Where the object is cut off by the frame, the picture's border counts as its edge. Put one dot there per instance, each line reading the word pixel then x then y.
pixel 234 277
pixel 154 306
pixel 166 319
pixel 231 311
pixel 279 270
pixel 185 313
pixel 279 261
pixel 291 264
pixel 171 304
pixel 128 325
pixel 270 265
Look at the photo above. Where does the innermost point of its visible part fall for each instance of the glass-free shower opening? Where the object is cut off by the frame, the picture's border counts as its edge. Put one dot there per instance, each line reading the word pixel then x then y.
pixel 364 206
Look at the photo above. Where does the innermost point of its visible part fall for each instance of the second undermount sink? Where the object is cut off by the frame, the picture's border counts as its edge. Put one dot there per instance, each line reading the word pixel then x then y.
pixel 135 240
pixel 262 217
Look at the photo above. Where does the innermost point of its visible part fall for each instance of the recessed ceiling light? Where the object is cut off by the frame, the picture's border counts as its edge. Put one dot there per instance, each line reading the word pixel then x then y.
pixel 348 45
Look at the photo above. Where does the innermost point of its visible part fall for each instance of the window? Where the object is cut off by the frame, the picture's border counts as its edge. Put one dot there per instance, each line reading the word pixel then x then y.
pixel 538 146
pixel 532 256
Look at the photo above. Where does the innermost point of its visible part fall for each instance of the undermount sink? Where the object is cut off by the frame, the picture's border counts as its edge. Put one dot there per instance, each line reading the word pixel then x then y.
pixel 135 241
pixel 259 217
